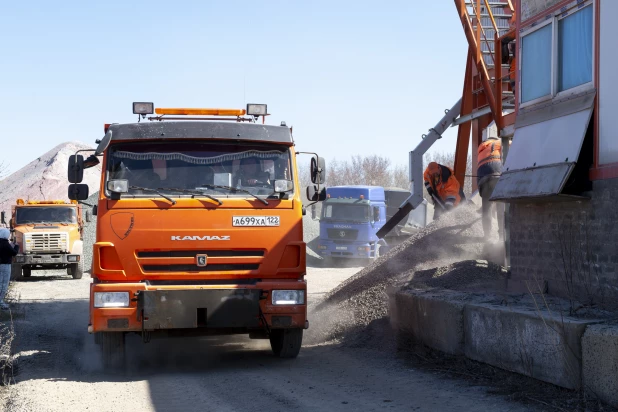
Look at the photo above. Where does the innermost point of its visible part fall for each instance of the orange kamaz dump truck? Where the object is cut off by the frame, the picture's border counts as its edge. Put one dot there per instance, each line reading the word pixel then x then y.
pixel 199 229
pixel 49 234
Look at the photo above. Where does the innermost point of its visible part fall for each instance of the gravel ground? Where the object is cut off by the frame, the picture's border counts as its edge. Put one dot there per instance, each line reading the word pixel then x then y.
pixel 361 299
pixel 59 368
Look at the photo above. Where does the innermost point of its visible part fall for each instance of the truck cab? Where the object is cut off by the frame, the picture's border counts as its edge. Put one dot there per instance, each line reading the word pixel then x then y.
pixel 351 216
pixel 199 229
pixel 49 235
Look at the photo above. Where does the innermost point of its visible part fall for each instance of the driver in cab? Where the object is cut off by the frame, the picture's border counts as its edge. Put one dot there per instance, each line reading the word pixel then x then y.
pixel 250 173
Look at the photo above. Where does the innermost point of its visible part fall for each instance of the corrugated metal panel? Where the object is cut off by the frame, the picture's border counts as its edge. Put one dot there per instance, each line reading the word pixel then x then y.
pixel 545 149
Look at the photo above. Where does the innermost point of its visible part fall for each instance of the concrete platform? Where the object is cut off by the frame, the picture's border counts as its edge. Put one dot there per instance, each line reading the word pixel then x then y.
pixel 600 362
pixel 514 337
pixel 433 319
pixel 541 346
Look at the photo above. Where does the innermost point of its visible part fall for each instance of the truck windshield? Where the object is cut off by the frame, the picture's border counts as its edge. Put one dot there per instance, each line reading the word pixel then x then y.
pixel 30 215
pixel 170 167
pixel 355 213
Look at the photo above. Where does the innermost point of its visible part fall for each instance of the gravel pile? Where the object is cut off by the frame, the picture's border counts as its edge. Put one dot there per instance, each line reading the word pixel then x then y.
pixel 361 299
pixel 468 275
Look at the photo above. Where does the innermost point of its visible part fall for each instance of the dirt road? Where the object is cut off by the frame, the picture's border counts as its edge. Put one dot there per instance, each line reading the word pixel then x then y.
pixel 59 368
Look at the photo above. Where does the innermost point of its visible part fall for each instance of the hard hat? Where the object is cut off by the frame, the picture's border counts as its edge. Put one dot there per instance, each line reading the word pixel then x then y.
pixel 4 233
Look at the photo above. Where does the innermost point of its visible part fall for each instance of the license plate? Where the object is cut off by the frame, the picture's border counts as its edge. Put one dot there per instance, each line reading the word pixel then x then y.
pixel 255 221
pixel 341 248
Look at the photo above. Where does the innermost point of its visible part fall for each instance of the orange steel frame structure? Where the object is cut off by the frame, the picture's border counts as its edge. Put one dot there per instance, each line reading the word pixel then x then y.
pixel 480 91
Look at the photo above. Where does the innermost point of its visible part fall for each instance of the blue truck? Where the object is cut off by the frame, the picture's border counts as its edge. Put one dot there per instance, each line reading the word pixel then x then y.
pixel 350 218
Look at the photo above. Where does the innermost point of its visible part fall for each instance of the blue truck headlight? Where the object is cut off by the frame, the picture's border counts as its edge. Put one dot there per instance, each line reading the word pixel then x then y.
pixel 288 297
pixel 322 247
pixel 111 299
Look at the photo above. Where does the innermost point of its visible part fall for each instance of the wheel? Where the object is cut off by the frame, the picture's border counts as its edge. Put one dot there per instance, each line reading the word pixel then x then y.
pixel 76 269
pixel 286 343
pixel 15 272
pixel 26 272
pixel 113 351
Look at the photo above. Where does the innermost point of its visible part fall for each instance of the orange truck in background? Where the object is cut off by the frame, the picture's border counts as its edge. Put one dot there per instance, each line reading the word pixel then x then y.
pixel 49 235
pixel 199 229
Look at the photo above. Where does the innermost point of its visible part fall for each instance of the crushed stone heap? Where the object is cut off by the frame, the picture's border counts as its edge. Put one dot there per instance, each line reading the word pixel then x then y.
pixel 455 237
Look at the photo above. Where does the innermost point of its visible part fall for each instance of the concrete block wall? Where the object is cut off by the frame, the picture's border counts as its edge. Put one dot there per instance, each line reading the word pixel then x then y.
pixel 537 230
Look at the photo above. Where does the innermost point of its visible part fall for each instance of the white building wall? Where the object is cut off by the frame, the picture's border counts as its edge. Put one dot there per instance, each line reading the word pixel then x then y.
pixel 608 83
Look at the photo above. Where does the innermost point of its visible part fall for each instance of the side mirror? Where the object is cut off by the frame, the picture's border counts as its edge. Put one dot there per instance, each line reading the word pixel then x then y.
pixel 88 219
pixel 376 214
pixel 78 192
pixel 314 213
pixel 318 170
pixel 315 195
pixel 75 172
pixel 3 218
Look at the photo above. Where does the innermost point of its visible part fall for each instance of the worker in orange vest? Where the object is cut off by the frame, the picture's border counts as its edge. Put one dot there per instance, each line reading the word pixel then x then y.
pixel 488 174
pixel 443 188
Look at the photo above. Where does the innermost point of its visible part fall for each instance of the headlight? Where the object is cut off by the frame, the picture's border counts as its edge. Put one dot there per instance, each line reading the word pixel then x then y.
pixel 20 259
pixel 111 299
pixel 73 258
pixel 322 247
pixel 288 297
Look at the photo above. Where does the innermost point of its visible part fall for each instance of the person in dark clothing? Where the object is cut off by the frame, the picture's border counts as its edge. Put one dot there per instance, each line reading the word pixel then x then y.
pixel 7 251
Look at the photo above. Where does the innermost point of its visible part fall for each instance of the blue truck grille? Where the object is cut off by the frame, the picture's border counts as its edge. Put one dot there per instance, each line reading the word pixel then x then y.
pixel 342 234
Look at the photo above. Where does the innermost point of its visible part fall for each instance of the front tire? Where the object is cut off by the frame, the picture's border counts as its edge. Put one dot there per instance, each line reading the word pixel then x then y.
pixel 286 343
pixel 76 269
pixel 113 352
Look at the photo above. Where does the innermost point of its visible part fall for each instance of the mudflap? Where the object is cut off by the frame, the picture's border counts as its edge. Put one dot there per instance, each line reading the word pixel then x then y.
pixel 201 308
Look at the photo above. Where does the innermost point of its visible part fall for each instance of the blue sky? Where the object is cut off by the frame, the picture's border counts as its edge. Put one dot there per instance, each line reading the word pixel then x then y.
pixel 351 77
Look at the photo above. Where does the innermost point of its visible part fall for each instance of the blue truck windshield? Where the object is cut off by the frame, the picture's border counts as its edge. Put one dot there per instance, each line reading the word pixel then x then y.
pixel 347 212
pixel 170 167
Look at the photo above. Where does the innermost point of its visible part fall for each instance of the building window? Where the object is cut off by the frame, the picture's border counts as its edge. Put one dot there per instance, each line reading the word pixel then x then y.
pixel 536 64
pixel 551 64
pixel 575 49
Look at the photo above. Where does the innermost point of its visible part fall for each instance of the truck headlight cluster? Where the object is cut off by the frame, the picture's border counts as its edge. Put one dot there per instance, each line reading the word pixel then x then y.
pixel 288 297
pixel 111 299
pixel 73 258
pixel 20 259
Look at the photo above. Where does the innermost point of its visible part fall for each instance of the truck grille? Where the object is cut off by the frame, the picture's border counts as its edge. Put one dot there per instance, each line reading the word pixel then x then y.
pixel 193 253
pixel 195 268
pixel 46 242
pixel 342 234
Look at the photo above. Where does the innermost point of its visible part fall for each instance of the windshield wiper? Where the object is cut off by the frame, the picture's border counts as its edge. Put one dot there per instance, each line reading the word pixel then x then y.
pixel 233 189
pixel 172 201
pixel 193 193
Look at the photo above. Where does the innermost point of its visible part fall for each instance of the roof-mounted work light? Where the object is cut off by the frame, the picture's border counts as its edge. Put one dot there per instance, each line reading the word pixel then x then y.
pixel 143 108
pixel 256 109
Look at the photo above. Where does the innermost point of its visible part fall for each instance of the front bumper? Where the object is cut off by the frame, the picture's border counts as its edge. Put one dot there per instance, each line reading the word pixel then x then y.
pixel 240 307
pixel 45 259
pixel 347 250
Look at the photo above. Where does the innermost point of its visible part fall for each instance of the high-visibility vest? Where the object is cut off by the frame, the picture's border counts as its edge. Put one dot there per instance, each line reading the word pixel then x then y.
pixel 489 158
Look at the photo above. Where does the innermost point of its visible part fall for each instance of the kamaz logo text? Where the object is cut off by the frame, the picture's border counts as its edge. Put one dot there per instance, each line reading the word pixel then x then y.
pixel 200 238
